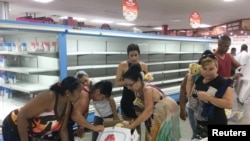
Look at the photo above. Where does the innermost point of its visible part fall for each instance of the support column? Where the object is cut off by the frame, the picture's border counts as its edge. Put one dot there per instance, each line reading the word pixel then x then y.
pixel 164 30
pixel 4 10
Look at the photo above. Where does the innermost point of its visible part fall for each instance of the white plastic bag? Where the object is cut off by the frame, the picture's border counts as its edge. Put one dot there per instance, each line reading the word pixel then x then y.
pixel 117 134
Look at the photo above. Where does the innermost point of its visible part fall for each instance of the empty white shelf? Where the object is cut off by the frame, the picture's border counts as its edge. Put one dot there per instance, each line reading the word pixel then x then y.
pixel 167 81
pixel 104 77
pixel 26 87
pixel 94 53
pixel 172 62
pixel 16 53
pixel 26 70
pixel 169 71
pixel 116 89
pixel 92 66
pixel 114 53
pixel 116 65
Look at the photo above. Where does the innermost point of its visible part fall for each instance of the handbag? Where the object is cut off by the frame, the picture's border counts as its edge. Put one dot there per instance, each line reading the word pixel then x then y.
pixel 202 130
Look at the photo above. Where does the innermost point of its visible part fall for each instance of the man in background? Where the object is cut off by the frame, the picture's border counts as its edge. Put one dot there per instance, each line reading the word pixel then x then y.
pixel 233 52
pixel 243 56
pixel 226 60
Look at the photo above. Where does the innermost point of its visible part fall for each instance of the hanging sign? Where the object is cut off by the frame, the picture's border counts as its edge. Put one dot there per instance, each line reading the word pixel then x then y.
pixel 130 9
pixel 195 20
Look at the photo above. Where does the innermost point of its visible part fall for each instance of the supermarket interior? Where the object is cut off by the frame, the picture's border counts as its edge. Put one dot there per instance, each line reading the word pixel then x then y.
pixel 65 43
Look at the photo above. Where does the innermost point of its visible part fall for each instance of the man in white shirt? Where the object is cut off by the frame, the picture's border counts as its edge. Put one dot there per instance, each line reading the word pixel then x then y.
pixel 243 56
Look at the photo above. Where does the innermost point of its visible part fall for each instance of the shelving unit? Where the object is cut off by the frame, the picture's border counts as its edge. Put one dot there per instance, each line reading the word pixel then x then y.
pixel 34 71
pixel 167 57
pixel 98 52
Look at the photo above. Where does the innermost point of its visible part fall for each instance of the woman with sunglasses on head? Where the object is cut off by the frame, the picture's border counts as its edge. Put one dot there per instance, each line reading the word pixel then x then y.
pixel 159 112
pixel 133 52
pixel 192 102
pixel 48 112
pixel 103 102
pixel 214 94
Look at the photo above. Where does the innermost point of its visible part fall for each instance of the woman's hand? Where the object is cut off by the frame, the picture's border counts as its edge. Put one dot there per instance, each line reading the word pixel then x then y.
pixel 98 128
pixel 190 77
pixel 127 125
pixel 80 132
pixel 202 95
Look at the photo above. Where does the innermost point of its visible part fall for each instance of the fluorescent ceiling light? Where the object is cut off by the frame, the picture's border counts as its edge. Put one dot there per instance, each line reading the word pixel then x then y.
pixel 175 20
pixel 102 21
pixel 43 1
pixel 204 25
pixel 228 0
pixel 125 24
pixel 157 28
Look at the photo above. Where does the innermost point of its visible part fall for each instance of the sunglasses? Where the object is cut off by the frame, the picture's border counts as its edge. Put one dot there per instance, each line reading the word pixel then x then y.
pixel 130 85
pixel 209 56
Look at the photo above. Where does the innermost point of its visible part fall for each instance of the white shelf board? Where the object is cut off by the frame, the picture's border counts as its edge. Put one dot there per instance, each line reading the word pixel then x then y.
pixel 94 53
pixel 166 53
pixel 26 87
pixel 172 62
pixel 26 70
pixel 168 71
pixel 156 72
pixel 40 52
pixel 114 53
pixel 92 67
pixel 116 65
pixel 116 89
pixel 167 81
pixel 16 53
pixel 104 77
pixel 171 90
pixel 28 54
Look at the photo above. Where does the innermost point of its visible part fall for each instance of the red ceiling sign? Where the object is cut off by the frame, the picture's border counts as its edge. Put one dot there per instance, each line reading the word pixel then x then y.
pixel 130 9
pixel 195 20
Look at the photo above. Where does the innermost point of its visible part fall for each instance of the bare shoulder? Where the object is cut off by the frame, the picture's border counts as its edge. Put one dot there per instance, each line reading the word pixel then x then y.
pixel 123 63
pixel 46 96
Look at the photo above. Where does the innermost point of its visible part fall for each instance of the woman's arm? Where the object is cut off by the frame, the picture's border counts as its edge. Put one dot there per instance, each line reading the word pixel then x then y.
pixel 119 72
pixel 144 67
pixel 225 102
pixel 148 111
pixel 113 108
pixel 190 85
pixel 64 136
pixel 183 113
pixel 79 108
pixel 42 102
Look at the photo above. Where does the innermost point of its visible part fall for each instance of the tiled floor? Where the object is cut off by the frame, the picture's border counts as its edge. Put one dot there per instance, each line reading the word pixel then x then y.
pixel 8 104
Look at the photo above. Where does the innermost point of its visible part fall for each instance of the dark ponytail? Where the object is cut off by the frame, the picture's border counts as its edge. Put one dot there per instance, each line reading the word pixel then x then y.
pixel 69 83
pixel 134 72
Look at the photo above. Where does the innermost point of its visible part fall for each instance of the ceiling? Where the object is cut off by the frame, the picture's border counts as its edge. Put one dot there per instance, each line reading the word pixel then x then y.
pixel 152 13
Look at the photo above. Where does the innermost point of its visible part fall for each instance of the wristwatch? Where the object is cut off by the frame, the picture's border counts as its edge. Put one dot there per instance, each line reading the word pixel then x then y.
pixel 194 93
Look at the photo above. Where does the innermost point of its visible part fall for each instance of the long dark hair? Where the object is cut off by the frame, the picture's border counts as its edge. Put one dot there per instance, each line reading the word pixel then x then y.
pixel 69 83
pixel 134 72
pixel 104 86
pixel 133 47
